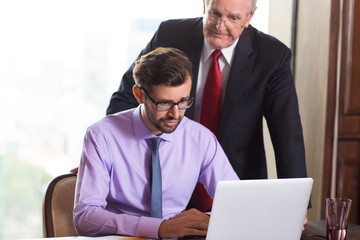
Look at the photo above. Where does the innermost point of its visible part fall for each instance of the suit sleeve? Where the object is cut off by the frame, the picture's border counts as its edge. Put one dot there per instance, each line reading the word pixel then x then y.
pixel 281 111
pixel 123 98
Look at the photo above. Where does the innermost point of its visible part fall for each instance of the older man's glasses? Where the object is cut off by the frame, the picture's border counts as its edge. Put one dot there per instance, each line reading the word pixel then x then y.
pixel 168 105
pixel 231 21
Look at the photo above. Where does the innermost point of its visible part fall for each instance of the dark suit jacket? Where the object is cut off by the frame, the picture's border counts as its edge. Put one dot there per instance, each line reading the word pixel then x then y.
pixel 260 84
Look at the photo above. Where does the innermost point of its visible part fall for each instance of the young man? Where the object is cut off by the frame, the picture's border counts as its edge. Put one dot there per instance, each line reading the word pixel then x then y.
pixel 117 178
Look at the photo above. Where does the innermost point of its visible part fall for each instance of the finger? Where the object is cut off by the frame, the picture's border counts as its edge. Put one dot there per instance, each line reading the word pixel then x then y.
pixel 200 225
pixel 305 222
pixel 191 222
pixel 184 213
pixel 196 232
pixel 188 223
pixel 176 216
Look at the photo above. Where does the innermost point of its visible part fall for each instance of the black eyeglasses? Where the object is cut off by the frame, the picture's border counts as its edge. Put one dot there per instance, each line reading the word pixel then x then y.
pixel 168 105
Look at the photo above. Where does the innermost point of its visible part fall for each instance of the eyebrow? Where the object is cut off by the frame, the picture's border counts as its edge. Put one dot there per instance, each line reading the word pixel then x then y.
pixel 230 14
pixel 181 99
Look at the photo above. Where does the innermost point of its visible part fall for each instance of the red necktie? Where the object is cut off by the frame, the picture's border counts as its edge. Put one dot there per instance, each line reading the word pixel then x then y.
pixel 211 102
pixel 210 118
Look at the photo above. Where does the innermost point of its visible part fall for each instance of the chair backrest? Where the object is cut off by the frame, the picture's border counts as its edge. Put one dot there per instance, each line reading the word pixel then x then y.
pixel 58 207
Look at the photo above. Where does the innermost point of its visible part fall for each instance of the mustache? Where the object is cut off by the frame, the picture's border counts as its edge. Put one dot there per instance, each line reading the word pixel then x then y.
pixel 169 119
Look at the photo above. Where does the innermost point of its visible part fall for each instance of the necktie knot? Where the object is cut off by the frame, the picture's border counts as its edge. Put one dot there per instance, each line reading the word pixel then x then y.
pixel 216 54
pixel 155 143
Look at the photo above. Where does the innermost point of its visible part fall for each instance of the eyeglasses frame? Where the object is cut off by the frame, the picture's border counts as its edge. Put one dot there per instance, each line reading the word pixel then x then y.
pixel 220 19
pixel 192 99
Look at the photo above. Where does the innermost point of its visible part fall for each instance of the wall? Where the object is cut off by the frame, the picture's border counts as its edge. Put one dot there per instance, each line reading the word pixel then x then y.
pixel 280 20
pixel 311 68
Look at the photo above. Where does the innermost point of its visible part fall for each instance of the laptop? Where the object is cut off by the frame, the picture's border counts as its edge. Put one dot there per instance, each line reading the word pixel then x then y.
pixel 271 209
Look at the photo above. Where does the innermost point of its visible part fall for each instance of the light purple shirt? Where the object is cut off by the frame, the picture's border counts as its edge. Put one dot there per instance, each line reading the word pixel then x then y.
pixel 113 187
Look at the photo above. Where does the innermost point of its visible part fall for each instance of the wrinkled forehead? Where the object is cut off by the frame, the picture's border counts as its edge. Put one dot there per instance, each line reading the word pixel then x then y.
pixel 231 6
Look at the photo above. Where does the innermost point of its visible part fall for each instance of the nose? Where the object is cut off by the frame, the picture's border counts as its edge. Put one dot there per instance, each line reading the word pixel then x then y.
pixel 174 112
pixel 219 21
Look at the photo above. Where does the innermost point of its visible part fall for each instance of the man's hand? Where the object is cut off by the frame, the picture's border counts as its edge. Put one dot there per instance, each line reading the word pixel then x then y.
pixel 190 222
pixel 305 222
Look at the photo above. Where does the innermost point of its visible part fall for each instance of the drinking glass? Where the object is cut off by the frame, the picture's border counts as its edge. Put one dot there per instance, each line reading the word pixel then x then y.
pixel 337 215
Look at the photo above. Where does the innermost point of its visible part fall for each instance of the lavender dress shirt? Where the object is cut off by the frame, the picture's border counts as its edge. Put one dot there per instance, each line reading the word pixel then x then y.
pixel 113 187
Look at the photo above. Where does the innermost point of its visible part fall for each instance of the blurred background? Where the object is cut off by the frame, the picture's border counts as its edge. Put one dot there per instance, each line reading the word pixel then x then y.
pixel 60 61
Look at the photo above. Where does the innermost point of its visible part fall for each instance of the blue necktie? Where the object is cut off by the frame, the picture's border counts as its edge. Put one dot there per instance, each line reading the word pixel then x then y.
pixel 156 185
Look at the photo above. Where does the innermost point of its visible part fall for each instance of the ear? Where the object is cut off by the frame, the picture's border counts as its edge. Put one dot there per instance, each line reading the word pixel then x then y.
pixel 138 94
pixel 249 18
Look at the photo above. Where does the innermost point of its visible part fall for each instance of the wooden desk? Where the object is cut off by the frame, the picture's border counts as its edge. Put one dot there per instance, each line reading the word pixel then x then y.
pixel 316 230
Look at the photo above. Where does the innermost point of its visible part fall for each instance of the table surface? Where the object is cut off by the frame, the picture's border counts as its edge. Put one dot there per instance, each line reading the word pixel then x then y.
pixel 316 230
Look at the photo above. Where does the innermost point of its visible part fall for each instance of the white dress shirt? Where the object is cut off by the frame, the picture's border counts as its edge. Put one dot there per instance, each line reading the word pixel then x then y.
pixel 225 61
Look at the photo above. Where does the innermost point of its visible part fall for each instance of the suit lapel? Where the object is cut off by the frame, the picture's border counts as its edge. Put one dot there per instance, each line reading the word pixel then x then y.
pixel 238 79
pixel 196 41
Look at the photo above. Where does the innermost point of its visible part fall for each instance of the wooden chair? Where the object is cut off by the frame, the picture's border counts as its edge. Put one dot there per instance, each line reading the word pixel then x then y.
pixel 58 207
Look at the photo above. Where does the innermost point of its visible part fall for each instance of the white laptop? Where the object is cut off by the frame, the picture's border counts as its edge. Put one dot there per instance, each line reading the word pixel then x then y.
pixel 271 209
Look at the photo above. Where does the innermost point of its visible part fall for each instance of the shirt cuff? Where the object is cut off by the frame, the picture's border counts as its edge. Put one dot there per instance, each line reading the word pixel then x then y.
pixel 149 227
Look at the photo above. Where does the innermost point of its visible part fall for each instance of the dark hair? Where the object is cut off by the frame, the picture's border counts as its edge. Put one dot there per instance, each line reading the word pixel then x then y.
pixel 168 66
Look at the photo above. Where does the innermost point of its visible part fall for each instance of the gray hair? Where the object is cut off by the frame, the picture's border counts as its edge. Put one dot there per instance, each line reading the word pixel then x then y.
pixel 251 7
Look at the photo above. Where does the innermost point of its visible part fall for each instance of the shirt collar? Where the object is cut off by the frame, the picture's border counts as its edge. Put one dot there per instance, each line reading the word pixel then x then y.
pixel 208 49
pixel 142 132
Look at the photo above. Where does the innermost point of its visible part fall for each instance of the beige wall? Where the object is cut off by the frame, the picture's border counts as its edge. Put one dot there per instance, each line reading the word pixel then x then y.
pixel 311 69
pixel 312 45
pixel 280 20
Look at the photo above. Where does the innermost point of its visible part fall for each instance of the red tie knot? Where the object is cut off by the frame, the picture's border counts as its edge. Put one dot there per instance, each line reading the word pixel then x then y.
pixel 216 54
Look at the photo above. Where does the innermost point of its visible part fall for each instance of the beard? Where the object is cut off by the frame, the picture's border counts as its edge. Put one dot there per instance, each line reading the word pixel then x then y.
pixel 160 123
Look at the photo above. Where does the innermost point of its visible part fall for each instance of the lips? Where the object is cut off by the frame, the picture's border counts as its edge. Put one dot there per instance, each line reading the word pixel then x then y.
pixel 170 123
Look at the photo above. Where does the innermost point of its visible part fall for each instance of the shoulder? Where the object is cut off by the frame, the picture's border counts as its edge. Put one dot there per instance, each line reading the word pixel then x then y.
pixel 118 122
pixel 182 23
pixel 264 47
pixel 263 40
pixel 195 137
pixel 178 30
pixel 196 131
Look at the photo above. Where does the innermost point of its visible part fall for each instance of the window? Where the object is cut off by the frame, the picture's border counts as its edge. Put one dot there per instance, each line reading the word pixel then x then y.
pixel 60 62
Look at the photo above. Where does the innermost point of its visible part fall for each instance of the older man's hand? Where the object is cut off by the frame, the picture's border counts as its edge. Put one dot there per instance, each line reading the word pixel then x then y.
pixel 305 222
